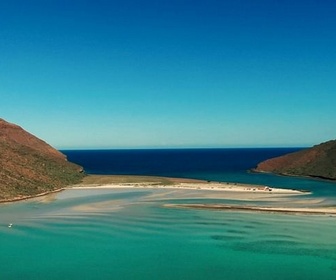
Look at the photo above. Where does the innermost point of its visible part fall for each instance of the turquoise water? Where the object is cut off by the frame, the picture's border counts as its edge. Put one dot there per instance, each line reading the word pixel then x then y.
pixel 122 234
pixel 128 234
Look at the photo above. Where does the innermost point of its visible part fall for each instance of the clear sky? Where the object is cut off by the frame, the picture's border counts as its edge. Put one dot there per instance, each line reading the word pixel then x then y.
pixel 170 73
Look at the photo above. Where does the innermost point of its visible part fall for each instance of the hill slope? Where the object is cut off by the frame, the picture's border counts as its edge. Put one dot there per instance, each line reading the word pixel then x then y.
pixel 29 166
pixel 318 161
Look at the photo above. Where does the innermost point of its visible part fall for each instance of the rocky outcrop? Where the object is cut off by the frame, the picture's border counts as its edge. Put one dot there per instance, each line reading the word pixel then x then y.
pixel 318 161
pixel 29 166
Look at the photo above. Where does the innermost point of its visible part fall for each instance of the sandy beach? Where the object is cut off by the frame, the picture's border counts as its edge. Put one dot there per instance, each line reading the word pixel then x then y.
pixel 200 188
pixel 274 200
pixel 235 196
pixel 115 182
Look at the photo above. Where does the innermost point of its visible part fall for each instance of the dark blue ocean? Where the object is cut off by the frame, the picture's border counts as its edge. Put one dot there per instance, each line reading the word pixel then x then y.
pixel 118 233
pixel 172 162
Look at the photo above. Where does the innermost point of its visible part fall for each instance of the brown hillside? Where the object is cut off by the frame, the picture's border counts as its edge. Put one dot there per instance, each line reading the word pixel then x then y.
pixel 318 161
pixel 29 166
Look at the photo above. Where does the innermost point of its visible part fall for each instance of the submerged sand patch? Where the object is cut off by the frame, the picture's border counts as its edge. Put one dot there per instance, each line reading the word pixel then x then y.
pixel 284 210
pixel 244 197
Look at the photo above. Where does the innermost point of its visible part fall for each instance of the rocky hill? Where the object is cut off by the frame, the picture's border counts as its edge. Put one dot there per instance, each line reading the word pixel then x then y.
pixel 318 161
pixel 29 166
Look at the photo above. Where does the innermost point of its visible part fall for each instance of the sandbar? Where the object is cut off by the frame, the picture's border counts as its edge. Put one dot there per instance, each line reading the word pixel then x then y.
pixel 149 182
pixel 283 210
pixel 165 189
pixel 257 198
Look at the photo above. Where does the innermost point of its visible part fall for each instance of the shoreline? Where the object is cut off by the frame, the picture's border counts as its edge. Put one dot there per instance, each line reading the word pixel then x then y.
pixel 21 198
pixel 202 189
pixel 156 182
pixel 225 187
pixel 315 178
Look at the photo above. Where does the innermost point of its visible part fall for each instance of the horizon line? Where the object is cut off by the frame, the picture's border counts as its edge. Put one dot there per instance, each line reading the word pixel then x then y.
pixel 180 148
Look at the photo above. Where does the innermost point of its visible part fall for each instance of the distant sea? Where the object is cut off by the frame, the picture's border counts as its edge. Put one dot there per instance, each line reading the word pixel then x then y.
pixel 122 234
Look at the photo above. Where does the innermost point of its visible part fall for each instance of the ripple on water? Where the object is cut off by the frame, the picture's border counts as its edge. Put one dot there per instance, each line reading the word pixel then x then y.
pixel 282 247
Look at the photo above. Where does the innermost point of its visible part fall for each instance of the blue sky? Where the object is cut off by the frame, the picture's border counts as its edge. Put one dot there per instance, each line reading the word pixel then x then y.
pixel 135 74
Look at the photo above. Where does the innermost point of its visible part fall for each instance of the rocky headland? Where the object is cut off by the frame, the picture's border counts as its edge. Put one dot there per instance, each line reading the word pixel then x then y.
pixel 318 162
pixel 29 166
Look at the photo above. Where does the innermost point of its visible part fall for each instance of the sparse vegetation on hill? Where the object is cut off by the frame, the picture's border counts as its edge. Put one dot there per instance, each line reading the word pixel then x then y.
pixel 29 166
pixel 318 161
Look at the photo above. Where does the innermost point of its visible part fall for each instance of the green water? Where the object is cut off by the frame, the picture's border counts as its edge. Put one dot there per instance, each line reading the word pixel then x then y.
pixel 120 235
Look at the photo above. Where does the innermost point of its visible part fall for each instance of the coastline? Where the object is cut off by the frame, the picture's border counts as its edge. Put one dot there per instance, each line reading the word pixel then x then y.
pixel 26 197
pixel 224 187
pixel 152 182
pixel 317 178
pixel 93 181
pixel 193 188
pixel 156 182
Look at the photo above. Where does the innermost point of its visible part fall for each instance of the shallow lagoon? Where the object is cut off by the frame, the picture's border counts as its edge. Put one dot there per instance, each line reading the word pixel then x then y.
pixel 121 234
pixel 128 234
